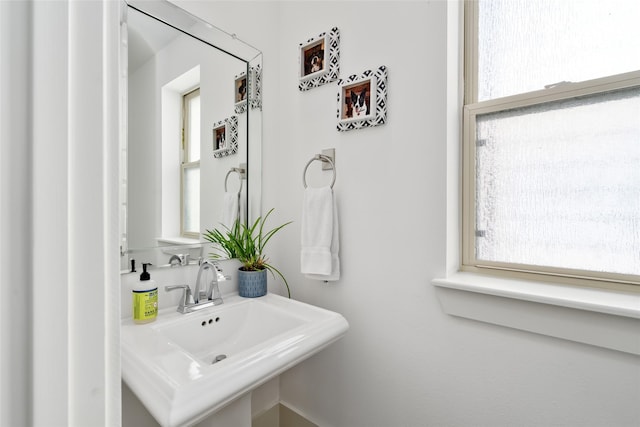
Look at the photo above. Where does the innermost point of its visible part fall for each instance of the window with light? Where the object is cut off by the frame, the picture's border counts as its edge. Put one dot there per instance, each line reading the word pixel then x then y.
pixel 190 165
pixel 551 150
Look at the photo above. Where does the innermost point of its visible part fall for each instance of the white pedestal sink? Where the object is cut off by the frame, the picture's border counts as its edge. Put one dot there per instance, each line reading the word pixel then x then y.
pixel 185 367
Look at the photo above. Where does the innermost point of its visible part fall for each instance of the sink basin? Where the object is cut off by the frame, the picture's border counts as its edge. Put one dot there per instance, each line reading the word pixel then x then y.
pixel 229 330
pixel 184 367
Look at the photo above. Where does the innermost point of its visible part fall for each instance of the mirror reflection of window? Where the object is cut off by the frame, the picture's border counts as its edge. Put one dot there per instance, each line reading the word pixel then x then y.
pixel 159 197
pixel 190 175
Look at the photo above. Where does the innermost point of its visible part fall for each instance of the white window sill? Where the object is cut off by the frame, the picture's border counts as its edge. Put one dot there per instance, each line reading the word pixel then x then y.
pixel 597 317
pixel 173 241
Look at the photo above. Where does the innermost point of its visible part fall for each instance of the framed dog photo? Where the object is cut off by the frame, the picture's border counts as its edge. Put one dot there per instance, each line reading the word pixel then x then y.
pixel 313 58
pixel 241 92
pixel 357 98
pixel 225 137
pixel 362 100
pixel 319 60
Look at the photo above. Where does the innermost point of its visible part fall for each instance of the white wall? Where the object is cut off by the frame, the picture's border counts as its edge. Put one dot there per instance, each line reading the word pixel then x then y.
pixel 403 362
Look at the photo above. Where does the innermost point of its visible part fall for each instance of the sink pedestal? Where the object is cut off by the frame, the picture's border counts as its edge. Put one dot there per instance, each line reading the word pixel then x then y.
pixel 237 414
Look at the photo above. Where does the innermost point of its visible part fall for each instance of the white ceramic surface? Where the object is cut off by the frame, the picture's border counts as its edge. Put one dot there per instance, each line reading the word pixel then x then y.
pixel 168 363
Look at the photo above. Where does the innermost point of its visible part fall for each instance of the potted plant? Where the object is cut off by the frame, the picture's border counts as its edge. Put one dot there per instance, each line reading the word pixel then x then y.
pixel 223 241
pixel 247 244
pixel 225 252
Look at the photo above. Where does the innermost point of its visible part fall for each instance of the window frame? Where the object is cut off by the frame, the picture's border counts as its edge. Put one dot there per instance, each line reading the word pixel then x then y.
pixel 473 108
pixel 185 161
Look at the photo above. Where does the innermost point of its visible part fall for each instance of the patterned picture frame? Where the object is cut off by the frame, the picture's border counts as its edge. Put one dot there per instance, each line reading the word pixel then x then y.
pixel 319 60
pixel 255 86
pixel 362 100
pixel 225 137
pixel 240 92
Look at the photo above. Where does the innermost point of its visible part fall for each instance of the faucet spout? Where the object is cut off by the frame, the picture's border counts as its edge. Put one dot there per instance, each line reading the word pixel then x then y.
pixel 175 258
pixel 212 292
pixel 201 298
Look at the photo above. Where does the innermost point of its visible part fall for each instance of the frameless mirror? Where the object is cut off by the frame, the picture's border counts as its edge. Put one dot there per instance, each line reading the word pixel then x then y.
pixel 192 133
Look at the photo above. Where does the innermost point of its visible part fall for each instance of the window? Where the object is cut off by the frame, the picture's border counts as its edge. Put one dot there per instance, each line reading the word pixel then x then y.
pixel 190 165
pixel 551 130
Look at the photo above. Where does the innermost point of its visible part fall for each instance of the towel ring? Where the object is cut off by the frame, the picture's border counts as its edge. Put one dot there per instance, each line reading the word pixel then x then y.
pixel 322 158
pixel 240 172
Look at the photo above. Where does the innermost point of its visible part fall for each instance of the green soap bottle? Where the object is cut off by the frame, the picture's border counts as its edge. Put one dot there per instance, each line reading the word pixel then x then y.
pixel 145 298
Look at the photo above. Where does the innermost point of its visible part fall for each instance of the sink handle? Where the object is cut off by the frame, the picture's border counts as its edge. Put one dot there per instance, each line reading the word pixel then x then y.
pixel 186 296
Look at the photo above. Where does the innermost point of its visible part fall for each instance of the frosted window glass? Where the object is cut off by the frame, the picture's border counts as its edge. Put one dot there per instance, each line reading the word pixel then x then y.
pixel 191 194
pixel 558 184
pixel 194 129
pixel 525 45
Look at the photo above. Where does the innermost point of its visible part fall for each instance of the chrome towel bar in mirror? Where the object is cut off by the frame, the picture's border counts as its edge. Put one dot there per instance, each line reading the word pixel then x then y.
pixel 242 174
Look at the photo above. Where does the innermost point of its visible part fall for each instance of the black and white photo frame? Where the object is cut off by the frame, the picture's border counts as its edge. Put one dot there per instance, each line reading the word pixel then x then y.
pixel 362 100
pixel 240 92
pixel 247 90
pixel 225 137
pixel 319 60
pixel 255 86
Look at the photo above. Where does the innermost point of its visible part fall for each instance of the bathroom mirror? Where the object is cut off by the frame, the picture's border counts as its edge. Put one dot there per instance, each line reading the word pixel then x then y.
pixel 186 132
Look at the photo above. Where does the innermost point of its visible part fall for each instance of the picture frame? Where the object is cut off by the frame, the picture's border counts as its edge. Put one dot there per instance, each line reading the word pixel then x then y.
pixel 247 90
pixel 319 60
pixel 255 86
pixel 240 92
pixel 362 100
pixel 225 137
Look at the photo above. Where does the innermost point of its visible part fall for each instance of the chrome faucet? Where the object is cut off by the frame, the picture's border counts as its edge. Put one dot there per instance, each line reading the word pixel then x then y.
pixel 200 298
pixel 181 259
pixel 177 260
pixel 213 292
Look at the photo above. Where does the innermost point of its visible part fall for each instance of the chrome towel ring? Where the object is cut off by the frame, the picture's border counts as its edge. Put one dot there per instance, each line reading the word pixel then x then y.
pixel 322 158
pixel 241 175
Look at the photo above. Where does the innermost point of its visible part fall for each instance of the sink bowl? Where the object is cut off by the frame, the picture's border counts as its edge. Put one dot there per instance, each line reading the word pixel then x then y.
pixel 230 330
pixel 185 367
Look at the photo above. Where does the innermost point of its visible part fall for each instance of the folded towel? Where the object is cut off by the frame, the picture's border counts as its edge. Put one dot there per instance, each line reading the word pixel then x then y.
pixel 242 207
pixel 230 209
pixel 320 238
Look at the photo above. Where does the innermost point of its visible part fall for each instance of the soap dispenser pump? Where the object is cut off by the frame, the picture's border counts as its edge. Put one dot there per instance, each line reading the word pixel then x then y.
pixel 145 298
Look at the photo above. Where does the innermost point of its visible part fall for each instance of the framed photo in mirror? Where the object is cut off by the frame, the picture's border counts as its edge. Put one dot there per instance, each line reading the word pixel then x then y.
pixel 225 137
pixel 255 86
pixel 319 60
pixel 362 100
pixel 240 92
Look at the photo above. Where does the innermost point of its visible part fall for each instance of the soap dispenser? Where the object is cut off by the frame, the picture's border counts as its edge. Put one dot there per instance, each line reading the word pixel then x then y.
pixel 145 298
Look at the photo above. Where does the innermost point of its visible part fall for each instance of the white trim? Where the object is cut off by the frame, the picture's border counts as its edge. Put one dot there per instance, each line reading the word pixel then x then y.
pixel 592 316
pixel 558 93
pixel 92 319
pixel 16 225
pixel 50 215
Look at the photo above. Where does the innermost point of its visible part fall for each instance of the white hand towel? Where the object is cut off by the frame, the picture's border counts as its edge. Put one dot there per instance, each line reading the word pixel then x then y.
pixel 320 238
pixel 242 207
pixel 229 209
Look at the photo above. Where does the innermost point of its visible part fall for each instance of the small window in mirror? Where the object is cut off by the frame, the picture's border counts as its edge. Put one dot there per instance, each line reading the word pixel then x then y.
pixel 190 167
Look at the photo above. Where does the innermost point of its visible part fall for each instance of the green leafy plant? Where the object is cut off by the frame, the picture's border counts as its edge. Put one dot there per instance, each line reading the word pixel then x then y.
pixel 247 244
pixel 225 241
